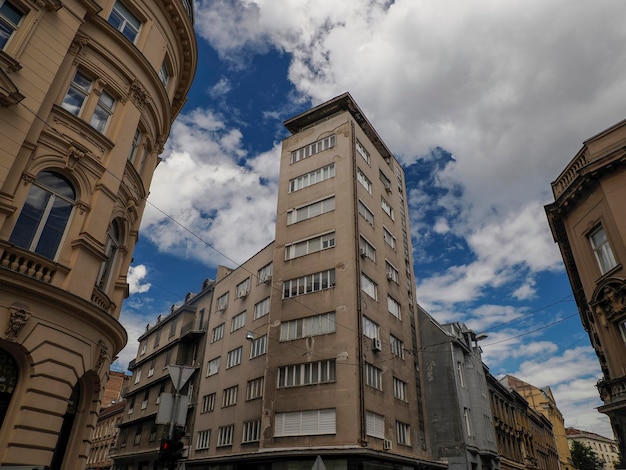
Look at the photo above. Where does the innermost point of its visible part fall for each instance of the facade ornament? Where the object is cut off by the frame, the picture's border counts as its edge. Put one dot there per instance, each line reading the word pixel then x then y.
pixel 78 44
pixel 82 206
pixel 17 319
pixel 73 156
pixel 50 5
pixel 610 301
pixel 138 94
pixel 28 178
pixel 103 354
pixel 160 143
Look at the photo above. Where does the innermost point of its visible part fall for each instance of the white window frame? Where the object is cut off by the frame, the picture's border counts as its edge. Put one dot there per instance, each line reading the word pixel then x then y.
pixel 361 150
pixel 400 389
pixel 296 375
pixel 392 272
pixel 397 346
pixel 313 177
pixel 127 18
pixel 208 403
pixel 375 424
pixel 218 332
pixel 384 180
pixel 164 73
pixel 366 213
pixel 222 302
pixel 213 366
pixel 305 423
pixel 251 431
pixel 369 287
pixel 308 284
pixel 254 389
pixel 225 435
pixel 367 248
pixel 308 211
pixel 389 238
pixel 8 24
pixel 262 308
pixel 234 357
pixel 310 245
pixel 242 289
pixel 394 307
pixel 460 370
pixel 258 347
pixel 229 396
pixel 403 433
pixel 373 376
pixel 371 329
pixel 308 326
pixel 265 273
pixel 364 180
pixel 203 440
pixel 103 112
pixel 238 321
pixel 313 149
pixel 602 249
pixel 387 208
pixel 468 421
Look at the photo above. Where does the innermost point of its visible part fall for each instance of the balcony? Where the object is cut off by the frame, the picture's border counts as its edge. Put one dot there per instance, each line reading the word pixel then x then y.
pixel 613 394
pixel 192 329
pixel 27 263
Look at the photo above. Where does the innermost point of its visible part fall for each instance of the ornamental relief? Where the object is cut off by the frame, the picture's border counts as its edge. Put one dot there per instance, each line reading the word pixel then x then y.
pixel 609 301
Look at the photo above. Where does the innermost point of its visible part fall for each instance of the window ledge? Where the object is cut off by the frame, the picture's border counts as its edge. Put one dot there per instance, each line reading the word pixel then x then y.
pixel 9 63
pixel 609 273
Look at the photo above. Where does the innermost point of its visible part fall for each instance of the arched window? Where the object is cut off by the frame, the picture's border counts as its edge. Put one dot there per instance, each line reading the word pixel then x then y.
pixel 44 217
pixel 8 381
pixel 113 242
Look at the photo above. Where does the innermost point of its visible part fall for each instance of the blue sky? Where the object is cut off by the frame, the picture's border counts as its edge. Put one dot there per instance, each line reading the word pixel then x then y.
pixel 483 102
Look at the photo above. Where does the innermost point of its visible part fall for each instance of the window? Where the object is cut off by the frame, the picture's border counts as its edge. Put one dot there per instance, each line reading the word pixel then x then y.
pixel 138 430
pixel 389 238
pixel 309 326
pixel 305 423
pixel 164 73
pixel 208 403
pixel 391 272
pixel 146 398
pixel 366 249
pixel 312 149
pixel 124 21
pixel 602 249
pixel 312 245
pixel 229 396
pixel 375 425
pixel 265 273
pixel 218 333
pixel 137 375
pixel 387 208
pixel 131 405
pixel 225 435
pixel 142 347
pixel 234 357
pixel 10 17
pixel 399 389
pixel 45 215
pixel 461 372
pixel 364 153
pixel 157 336
pixel 222 302
pixel 311 210
pixel 134 146
pixel 151 369
pixel 306 374
pixel 111 248
pixel 310 283
pixel 394 307
pixel 367 214
pixel 370 329
pixel 403 433
pixel 238 321
pixel 76 98
pixel 311 178
pixel 262 308
pixel 203 439
pixel 251 431
pixel 373 376
pixel 213 366
pixel 258 347
pixel 365 182
pixel 386 181
pixel 254 389
pixel 173 324
pixel 103 112
pixel 397 346
pixel 468 421
pixel 242 289
pixel 369 287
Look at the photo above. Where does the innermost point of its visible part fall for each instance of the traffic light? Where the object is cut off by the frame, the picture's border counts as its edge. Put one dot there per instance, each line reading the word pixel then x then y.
pixel 171 451
pixel 177 446
pixel 165 452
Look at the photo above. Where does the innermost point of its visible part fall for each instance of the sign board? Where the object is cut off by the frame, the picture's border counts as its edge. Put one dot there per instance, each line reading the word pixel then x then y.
pixel 180 375
pixel 166 405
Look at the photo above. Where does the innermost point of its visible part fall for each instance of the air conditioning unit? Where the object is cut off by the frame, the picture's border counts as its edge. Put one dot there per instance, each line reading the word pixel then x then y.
pixel 377 345
pixel 387 444
pixel 363 253
pixel 243 295
pixel 267 279
pixel 390 276
pixel 387 187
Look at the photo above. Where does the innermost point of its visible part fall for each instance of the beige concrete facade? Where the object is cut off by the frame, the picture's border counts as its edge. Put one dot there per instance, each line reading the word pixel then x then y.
pixel 88 91
pixel 604 448
pixel 588 221
pixel 105 436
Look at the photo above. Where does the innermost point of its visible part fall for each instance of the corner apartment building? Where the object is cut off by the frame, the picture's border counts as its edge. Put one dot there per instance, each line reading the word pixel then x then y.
pixel 588 221
pixel 311 344
pixel 459 411
pixel 542 400
pixel 604 448
pixel 88 91
pixel 176 339
pixel 105 436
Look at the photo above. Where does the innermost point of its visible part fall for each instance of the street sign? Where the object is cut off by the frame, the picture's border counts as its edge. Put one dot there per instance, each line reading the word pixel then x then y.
pixel 180 375
pixel 319 464
pixel 166 405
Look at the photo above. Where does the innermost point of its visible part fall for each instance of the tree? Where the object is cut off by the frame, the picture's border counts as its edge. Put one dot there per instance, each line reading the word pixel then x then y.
pixel 584 458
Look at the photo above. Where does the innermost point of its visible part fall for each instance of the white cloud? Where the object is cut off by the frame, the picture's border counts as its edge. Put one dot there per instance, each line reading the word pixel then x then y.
pixel 135 278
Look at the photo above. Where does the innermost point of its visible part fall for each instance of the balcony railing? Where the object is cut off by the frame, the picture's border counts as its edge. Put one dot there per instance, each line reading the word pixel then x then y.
pixel 27 263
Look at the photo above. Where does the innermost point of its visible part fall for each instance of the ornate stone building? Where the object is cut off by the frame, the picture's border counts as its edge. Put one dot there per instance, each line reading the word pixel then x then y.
pixel 88 91
pixel 588 221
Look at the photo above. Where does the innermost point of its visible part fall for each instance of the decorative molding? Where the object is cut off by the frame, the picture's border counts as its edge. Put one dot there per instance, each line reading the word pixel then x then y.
pixel 74 155
pixel 609 301
pixel 50 5
pixel 9 94
pixel 160 143
pixel 17 319
pixel 78 44
pixel 28 178
pixel 103 354
pixel 138 94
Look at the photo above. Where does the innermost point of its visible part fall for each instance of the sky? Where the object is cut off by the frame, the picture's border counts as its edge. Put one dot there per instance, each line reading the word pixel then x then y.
pixel 483 102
